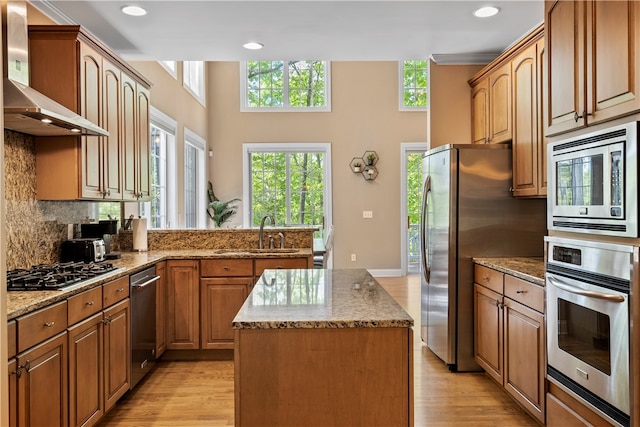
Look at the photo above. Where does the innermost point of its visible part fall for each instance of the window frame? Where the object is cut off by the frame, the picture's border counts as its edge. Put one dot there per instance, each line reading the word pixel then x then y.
pixel 193 140
pixel 170 126
pixel 315 147
pixel 171 70
pixel 245 108
pixel 196 89
pixel 401 88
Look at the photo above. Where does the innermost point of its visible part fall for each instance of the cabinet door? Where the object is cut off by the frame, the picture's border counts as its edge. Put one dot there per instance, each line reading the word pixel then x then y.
pixel 86 386
pixel 488 331
pixel 91 109
pixel 500 104
pixel 111 165
pixel 161 308
pixel 42 385
pixel 13 392
pixel 525 123
pixel 129 155
pixel 542 117
pixel 143 144
pixel 524 356
pixel 564 29
pixel 183 305
pixel 221 299
pixel 117 349
pixel 480 112
pixel 613 59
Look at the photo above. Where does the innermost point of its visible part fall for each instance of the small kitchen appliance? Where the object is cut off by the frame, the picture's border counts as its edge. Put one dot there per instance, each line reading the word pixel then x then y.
pixel 593 182
pixel 85 249
pixel 104 229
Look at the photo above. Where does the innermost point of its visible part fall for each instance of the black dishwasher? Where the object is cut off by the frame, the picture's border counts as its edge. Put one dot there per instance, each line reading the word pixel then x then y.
pixel 143 323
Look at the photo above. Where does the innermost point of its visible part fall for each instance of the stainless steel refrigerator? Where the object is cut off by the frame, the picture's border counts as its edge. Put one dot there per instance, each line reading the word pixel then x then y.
pixel 468 211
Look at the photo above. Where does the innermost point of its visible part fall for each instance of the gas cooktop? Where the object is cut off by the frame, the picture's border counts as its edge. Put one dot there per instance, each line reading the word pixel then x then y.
pixel 55 276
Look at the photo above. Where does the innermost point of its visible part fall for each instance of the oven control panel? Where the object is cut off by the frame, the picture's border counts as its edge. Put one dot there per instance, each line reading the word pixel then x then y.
pixel 567 255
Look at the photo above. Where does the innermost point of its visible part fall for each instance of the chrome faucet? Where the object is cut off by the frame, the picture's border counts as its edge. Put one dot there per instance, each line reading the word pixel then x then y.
pixel 281 236
pixel 261 233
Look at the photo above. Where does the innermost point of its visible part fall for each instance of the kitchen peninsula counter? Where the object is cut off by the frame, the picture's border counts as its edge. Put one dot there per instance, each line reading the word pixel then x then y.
pixel 324 348
pixel 23 302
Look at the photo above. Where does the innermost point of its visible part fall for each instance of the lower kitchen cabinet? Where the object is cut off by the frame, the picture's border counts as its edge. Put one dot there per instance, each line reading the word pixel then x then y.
pixel 510 337
pixel 183 305
pixel 13 392
pixel 42 384
pixel 86 384
pixel 117 352
pixel 262 264
pixel 565 411
pixel 221 298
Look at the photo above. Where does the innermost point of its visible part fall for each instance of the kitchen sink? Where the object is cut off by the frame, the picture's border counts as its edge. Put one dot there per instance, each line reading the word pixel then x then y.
pixel 273 251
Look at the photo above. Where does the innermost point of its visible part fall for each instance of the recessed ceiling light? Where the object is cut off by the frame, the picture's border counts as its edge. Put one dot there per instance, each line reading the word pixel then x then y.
pixel 485 12
pixel 133 10
pixel 253 46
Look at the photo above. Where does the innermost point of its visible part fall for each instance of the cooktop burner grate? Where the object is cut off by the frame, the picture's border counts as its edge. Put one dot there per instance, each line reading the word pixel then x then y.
pixel 55 276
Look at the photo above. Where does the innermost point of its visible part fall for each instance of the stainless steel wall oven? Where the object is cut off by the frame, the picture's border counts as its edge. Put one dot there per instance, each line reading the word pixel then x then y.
pixel 588 290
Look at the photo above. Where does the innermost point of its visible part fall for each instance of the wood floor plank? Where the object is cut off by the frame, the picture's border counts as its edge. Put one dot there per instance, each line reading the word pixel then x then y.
pixel 200 393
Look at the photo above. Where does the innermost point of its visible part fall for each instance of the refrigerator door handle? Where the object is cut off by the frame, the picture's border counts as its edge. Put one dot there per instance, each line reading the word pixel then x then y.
pixel 426 265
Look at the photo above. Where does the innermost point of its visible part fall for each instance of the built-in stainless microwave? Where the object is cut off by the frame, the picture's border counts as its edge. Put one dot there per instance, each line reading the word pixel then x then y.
pixel 593 182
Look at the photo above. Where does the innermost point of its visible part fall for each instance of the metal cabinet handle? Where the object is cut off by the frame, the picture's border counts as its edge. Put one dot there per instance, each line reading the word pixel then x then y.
pixel 49 324
pixel 485 278
pixel 226 268
pixel 521 292
pixel 119 290
pixel 89 303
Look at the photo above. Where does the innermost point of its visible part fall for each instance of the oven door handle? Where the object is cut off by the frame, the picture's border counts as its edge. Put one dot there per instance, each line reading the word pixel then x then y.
pixel 591 294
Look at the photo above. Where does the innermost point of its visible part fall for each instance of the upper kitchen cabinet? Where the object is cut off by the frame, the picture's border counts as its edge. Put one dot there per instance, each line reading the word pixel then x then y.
pixel 491 106
pixel 593 65
pixel 74 69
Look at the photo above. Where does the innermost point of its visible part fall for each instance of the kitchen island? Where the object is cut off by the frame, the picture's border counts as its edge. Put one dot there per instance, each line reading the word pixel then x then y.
pixel 322 348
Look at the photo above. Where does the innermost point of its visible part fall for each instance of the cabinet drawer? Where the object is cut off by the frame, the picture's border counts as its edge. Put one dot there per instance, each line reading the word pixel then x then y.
pixel 524 292
pixel 226 267
pixel 41 325
pixel 12 338
pixel 489 278
pixel 84 305
pixel 279 263
pixel 115 291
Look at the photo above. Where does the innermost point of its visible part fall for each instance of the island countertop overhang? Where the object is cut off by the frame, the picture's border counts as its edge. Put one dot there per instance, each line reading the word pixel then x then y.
pixel 314 298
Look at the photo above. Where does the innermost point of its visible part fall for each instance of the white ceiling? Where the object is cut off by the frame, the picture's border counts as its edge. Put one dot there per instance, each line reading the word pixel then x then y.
pixel 328 30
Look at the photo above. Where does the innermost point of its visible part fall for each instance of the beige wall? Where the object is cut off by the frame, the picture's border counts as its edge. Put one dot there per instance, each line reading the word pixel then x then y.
pixel 450 95
pixel 364 117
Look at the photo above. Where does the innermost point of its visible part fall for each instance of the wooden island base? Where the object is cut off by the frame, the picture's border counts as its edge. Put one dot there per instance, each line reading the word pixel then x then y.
pixel 324 377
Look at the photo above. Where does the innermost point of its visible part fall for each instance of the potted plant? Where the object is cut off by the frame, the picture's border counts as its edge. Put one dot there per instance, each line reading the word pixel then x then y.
pixel 220 211
pixel 371 158
pixel 356 166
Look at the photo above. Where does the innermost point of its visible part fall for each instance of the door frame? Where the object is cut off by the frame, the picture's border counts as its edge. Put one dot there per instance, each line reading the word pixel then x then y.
pixel 405 148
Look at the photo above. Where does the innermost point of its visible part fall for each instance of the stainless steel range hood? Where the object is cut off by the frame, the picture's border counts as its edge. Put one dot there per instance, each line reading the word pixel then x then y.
pixel 25 109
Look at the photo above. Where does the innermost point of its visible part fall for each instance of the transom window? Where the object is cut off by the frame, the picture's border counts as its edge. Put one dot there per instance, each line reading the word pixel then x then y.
pixel 170 66
pixel 290 182
pixel 285 86
pixel 193 78
pixel 414 85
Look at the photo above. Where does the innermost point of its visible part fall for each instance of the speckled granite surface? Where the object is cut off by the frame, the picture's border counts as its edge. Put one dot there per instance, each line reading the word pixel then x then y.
pixel 20 303
pixel 320 299
pixel 530 269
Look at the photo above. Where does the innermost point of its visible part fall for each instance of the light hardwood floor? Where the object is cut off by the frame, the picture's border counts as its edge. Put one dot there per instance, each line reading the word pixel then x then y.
pixel 200 393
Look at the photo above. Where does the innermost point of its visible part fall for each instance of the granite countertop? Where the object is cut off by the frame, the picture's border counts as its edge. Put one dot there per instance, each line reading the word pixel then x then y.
pixel 296 299
pixel 529 269
pixel 22 302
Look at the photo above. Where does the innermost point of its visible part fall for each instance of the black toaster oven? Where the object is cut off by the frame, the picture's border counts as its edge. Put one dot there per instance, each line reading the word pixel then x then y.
pixel 87 250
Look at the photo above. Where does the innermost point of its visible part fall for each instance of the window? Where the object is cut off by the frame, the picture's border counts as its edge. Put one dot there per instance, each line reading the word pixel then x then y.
pixel 193 78
pixel 159 212
pixel 285 86
pixel 170 66
pixel 291 182
pixel 414 85
pixel 195 207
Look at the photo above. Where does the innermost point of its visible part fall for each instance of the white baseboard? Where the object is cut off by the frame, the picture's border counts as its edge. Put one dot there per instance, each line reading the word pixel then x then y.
pixel 385 273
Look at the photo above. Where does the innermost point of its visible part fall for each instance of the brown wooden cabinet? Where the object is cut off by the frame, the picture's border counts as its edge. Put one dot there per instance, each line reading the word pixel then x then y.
pixel 117 352
pixel 42 383
pixel 89 79
pixel 491 106
pixel 593 62
pixel 224 286
pixel 480 112
pixel 183 305
pixel 262 264
pixel 509 336
pixel 12 383
pixel 161 308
